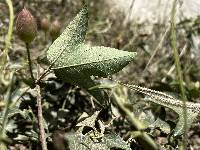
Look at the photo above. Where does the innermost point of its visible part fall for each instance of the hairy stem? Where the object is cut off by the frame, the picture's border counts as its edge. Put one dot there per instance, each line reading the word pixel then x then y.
pixel 40 117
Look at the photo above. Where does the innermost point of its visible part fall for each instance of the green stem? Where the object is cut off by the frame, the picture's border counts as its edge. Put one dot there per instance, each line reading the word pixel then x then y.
pixel 30 64
pixel 2 64
pixel 178 69
pixel 9 34
pixel 10 28
pixel 147 141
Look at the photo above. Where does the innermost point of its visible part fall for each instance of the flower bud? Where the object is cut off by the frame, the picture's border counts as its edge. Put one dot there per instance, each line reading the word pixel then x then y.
pixel 26 26
pixel 55 29
pixel 45 24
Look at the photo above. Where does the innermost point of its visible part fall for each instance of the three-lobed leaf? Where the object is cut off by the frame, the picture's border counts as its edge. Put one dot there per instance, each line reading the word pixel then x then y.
pixel 75 62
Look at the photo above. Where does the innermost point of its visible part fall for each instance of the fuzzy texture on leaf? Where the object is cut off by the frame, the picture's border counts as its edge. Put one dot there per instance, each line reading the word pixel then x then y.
pixel 77 62
pixel 78 141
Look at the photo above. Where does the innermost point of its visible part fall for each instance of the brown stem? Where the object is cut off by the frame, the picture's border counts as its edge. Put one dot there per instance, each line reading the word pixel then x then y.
pixel 48 69
pixel 40 117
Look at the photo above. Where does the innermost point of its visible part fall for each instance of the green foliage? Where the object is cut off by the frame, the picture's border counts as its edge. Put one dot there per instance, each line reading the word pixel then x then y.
pixel 164 126
pixel 79 141
pixel 172 103
pixel 75 62
pixel 94 139
pixel 150 121
pixel 193 109
pixel 176 105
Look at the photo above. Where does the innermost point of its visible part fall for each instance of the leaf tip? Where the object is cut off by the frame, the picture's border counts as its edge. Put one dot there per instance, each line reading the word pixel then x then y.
pixel 84 10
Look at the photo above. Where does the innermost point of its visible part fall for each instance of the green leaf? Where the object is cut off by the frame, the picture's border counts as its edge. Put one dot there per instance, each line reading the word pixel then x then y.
pixel 93 139
pixel 86 61
pixel 73 35
pixel 115 141
pixel 177 106
pixel 89 121
pixel 75 62
pixel 192 115
pixel 169 101
pixel 164 126
pixel 160 98
pixel 78 141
